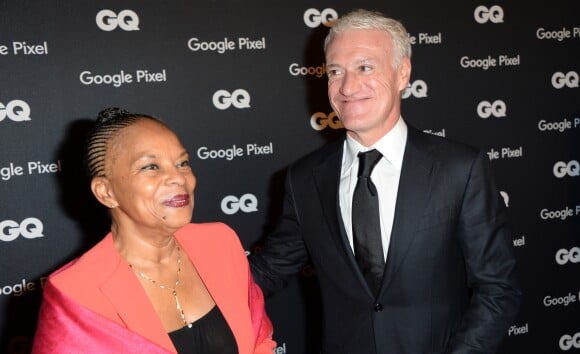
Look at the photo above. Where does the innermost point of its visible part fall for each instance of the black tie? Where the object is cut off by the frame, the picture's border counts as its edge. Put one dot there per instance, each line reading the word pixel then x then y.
pixel 366 225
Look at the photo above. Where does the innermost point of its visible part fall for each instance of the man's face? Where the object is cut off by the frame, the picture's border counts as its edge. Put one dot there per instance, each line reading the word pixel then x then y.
pixel 363 87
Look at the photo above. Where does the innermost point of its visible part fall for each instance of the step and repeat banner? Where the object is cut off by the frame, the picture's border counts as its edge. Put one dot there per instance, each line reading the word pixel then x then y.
pixel 243 83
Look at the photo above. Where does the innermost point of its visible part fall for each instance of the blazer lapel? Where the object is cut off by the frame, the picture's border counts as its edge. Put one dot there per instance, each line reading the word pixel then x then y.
pixel 226 282
pixel 136 311
pixel 414 186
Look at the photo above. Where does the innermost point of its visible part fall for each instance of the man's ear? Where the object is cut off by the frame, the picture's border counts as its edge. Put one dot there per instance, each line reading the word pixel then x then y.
pixel 404 72
pixel 101 189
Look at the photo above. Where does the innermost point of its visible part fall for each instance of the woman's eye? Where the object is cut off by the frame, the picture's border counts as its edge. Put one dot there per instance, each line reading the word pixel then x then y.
pixel 150 167
pixel 184 164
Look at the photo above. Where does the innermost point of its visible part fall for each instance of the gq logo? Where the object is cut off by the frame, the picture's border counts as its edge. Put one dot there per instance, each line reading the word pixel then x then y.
pixel 561 80
pixel 561 169
pixel 564 256
pixel 314 18
pixel 320 121
pixel 28 228
pixel 486 109
pixel 15 110
pixel 494 14
pixel 248 203
pixel 416 89
pixel 568 342
pixel 127 20
pixel 240 99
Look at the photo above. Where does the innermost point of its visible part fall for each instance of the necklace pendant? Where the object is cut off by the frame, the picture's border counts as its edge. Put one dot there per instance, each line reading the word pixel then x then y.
pixel 163 287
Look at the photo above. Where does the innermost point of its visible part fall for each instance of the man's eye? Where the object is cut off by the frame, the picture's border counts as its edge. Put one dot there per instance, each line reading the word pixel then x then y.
pixel 333 72
pixel 365 68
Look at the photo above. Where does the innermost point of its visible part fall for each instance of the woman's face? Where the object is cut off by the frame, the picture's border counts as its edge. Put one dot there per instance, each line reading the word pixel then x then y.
pixel 150 178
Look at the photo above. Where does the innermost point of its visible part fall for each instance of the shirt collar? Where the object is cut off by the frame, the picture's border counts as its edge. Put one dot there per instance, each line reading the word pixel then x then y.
pixel 391 145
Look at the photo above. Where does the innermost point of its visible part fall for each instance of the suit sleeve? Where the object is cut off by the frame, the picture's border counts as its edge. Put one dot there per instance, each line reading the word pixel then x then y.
pixel 485 240
pixel 284 252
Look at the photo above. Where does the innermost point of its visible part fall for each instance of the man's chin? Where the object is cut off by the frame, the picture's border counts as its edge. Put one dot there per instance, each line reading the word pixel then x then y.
pixel 353 121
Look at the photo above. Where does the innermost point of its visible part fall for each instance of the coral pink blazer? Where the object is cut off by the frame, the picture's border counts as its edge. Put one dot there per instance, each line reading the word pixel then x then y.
pixel 96 302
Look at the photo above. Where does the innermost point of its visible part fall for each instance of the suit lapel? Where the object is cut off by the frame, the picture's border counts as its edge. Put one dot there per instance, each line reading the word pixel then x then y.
pixel 414 186
pixel 327 179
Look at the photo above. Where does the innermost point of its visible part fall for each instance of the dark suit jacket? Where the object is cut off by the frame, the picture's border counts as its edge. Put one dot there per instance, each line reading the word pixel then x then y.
pixel 449 284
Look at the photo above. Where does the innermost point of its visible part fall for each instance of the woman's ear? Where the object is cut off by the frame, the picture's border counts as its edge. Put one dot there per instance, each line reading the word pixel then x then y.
pixel 101 189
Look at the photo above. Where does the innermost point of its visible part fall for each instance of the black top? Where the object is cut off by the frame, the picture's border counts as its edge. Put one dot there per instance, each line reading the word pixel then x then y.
pixel 208 335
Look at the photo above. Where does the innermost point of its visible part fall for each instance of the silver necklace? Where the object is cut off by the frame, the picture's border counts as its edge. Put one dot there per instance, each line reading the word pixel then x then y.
pixel 164 287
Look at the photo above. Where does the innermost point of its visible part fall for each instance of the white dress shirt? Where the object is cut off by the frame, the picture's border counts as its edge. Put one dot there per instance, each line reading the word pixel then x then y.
pixel 385 176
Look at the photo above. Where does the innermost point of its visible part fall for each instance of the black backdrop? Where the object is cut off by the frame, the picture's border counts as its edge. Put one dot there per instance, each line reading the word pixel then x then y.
pixel 243 84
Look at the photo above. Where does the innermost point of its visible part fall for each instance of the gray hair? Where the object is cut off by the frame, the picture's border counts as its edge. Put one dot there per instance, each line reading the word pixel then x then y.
pixel 372 20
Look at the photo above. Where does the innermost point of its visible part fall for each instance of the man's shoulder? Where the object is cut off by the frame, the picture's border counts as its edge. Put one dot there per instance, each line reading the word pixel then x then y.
pixel 332 149
pixel 442 148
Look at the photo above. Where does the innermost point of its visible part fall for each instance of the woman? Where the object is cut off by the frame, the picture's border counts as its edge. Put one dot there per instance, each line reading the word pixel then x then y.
pixel 155 283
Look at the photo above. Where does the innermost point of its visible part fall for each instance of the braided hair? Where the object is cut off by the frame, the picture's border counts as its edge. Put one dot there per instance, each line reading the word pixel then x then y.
pixel 108 124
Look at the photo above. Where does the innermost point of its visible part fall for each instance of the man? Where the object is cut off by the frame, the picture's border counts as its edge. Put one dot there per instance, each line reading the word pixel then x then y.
pixel 437 273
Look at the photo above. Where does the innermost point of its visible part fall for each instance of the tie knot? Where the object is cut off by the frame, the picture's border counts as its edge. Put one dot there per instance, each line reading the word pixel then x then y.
pixel 367 161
